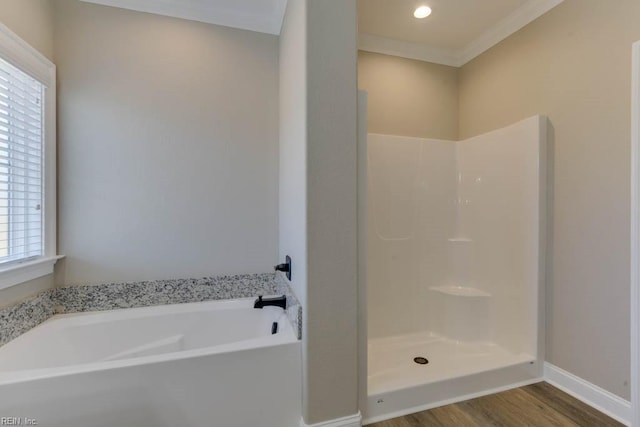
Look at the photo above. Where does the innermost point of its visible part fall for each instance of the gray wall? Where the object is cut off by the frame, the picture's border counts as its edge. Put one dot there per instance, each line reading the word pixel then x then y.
pixel 32 20
pixel 574 65
pixel 331 323
pixel 408 97
pixel 293 144
pixel 168 146
pixel 318 107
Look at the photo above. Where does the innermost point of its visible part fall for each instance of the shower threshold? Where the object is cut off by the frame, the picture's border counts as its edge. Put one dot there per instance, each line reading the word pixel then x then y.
pixel 397 385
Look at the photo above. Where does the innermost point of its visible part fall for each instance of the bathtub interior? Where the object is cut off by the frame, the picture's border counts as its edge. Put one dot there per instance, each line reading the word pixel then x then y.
pixel 210 363
pixel 453 267
pixel 69 340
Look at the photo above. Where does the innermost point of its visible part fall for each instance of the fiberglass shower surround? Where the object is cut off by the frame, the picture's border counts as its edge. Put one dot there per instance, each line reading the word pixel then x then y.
pixel 453 265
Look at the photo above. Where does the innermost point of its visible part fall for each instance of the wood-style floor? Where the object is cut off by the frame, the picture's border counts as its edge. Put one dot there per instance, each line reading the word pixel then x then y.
pixel 535 405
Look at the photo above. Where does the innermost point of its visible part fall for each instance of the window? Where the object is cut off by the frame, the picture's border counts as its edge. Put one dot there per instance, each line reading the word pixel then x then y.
pixel 21 135
pixel 27 162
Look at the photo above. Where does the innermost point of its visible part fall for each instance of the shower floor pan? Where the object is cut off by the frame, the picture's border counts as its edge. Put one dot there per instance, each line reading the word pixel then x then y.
pixel 398 385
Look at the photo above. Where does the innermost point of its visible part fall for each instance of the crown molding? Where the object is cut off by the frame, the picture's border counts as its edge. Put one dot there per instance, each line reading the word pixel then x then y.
pixel 422 52
pixel 519 19
pixel 524 15
pixel 236 18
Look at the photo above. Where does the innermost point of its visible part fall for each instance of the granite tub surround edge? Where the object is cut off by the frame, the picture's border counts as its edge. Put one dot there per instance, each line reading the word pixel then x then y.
pixel 75 299
pixel 19 318
pixel 294 308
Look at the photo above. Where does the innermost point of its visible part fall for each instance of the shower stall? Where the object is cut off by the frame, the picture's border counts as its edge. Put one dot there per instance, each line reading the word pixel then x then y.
pixel 451 266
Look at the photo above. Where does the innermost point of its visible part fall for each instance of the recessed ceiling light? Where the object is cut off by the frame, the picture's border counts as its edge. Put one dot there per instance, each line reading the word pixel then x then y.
pixel 422 12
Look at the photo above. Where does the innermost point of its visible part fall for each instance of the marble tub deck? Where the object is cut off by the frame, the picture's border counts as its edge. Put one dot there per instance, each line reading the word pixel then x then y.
pixel 19 318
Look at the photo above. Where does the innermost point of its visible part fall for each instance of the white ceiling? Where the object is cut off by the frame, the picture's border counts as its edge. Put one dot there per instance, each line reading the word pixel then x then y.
pixel 264 16
pixel 456 32
pixel 452 25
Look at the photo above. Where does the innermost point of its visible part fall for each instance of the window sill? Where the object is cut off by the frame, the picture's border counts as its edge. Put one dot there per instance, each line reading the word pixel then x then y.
pixel 20 273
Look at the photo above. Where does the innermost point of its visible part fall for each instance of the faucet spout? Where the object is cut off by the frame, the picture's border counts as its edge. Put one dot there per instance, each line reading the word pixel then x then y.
pixel 277 302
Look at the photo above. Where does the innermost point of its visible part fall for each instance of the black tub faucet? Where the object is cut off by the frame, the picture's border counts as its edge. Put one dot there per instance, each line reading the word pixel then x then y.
pixel 276 302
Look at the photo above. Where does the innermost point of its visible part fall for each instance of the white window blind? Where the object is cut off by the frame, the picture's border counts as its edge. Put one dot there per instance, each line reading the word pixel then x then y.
pixel 21 165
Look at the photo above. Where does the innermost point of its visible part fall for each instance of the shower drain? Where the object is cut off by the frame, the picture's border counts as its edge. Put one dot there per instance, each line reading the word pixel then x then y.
pixel 420 360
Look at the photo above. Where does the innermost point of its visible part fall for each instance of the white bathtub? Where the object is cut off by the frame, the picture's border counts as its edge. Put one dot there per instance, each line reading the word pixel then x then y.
pixel 202 364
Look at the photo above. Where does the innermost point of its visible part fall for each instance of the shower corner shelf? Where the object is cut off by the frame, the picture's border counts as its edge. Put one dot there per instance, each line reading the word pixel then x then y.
pixel 461 291
pixel 460 240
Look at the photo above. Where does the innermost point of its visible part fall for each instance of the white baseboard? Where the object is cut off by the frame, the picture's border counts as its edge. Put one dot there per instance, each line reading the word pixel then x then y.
pixel 350 421
pixel 594 396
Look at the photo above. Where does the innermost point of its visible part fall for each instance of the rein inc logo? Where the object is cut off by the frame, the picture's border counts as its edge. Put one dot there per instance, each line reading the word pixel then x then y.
pixel 18 421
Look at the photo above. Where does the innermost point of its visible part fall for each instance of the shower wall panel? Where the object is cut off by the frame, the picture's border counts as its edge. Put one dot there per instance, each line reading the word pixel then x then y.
pixel 499 211
pixel 456 220
pixel 411 214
